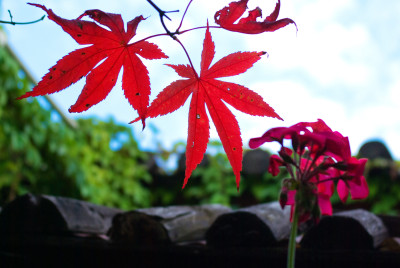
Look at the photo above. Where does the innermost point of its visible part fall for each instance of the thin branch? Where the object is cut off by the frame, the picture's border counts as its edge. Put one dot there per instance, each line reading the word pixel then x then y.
pixel 172 35
pixel 162 14
pixel 160 11
pixel 9 13
pixel 20 23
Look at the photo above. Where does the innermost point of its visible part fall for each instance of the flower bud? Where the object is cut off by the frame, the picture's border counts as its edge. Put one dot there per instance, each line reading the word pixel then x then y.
pixel 283 198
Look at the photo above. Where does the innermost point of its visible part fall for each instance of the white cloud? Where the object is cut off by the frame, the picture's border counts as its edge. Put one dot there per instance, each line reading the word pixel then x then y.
pixel 394 92
pixel 294 103
pixel 377 122
pixel 323 48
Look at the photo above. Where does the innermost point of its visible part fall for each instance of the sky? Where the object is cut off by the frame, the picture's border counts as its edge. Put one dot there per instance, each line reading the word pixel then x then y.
pixel 342 65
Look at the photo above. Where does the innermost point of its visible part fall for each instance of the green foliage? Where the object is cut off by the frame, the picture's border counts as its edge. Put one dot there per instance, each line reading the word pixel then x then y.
pixel 112 177
pixel 41 155
pixel 384 187
pixel 266 188
pixel 27 140
pixel 214 181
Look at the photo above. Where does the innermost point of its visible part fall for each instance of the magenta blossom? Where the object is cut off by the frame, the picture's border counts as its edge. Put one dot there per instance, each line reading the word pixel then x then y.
pixel 319 159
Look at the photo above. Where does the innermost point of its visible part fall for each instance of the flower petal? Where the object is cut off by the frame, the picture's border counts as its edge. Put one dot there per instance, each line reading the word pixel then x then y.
pixel 342 190
pixel 274 163
pixel 325 204
pixel 359 191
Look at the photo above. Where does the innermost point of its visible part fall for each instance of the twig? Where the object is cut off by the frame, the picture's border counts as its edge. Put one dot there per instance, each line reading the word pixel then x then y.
pixel 162 14
pixel 15 23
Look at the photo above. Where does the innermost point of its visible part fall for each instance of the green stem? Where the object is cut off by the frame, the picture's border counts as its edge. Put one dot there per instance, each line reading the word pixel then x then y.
pixel 292 240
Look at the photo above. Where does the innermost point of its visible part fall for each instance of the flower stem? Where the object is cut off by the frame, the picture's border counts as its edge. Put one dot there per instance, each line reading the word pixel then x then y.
pixel 292 240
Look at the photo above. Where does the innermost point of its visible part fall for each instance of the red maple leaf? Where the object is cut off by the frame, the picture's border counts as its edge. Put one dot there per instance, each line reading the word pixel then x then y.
pixel 206 90
pixel 111 45
pixel 227 16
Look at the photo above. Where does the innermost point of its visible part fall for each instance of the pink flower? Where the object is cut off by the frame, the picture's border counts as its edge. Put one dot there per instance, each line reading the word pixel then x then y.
pixel 320 157
pixel 318 126
pixel 325 192
pixel 276 134
pixel 337 146
pixel 357 191
pixel 353 181
pixel 320 140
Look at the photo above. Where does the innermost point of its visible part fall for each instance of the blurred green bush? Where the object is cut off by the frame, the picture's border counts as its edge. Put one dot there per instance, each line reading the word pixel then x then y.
pixel 41 154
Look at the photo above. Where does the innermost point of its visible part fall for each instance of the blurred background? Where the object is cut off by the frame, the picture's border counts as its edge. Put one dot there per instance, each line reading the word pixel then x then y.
pixel 341 66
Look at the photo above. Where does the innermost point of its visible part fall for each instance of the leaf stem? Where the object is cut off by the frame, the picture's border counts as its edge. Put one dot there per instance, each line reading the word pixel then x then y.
pixel 180 24
pixel 292 240
pixel 187 55
pixel 198 28
pixel 175 33
pixel 148 37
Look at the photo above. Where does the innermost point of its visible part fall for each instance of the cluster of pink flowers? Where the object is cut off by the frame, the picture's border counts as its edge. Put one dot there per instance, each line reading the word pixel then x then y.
pixel 319 158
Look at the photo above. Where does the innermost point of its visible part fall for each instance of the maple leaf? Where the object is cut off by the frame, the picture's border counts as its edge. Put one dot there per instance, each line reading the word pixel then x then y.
pixel 227 16
pixel 108 45
pixel 209 92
